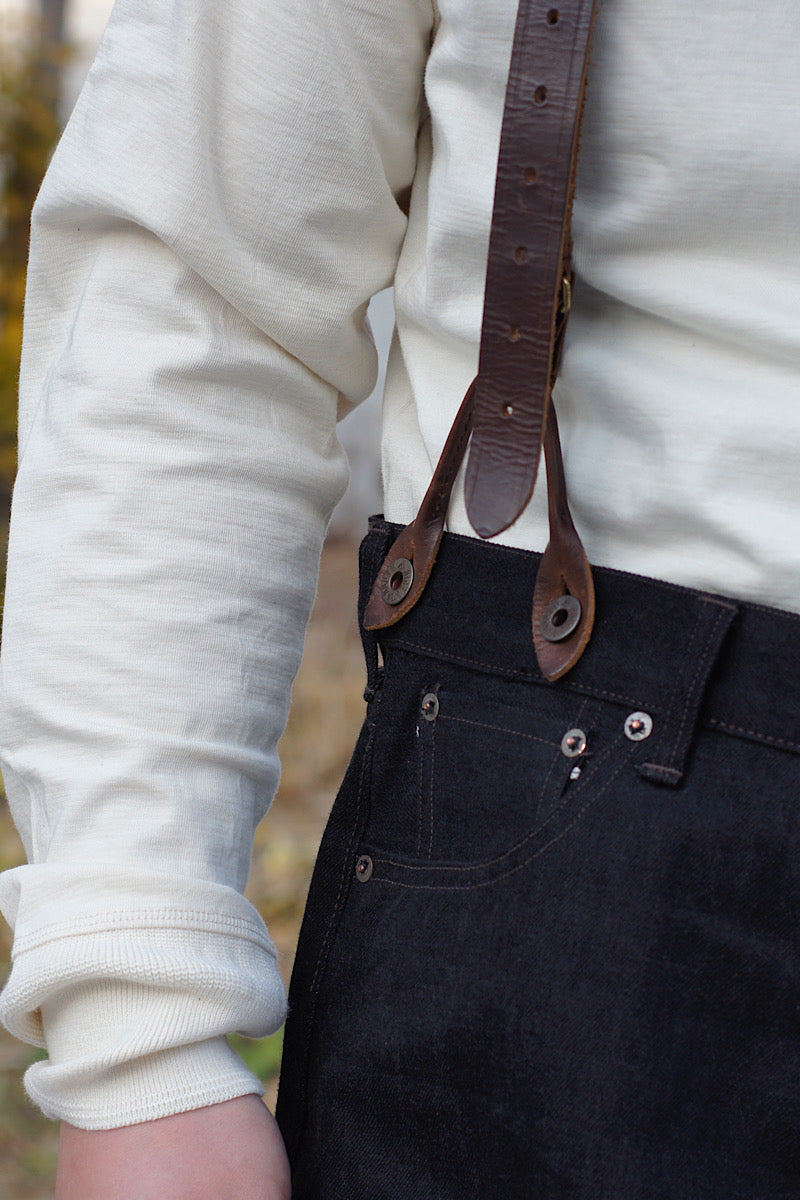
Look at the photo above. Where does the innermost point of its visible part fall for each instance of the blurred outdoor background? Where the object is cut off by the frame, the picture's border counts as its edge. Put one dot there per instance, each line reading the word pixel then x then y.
pixel 46 47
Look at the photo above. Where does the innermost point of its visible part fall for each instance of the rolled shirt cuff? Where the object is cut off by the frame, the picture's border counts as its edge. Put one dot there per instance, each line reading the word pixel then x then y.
pixel 133 1004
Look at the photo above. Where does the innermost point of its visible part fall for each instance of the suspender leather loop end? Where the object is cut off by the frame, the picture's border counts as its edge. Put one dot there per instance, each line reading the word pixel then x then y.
pixel 563 598
pixel 407 567
pixel 563 583
pixel 400 576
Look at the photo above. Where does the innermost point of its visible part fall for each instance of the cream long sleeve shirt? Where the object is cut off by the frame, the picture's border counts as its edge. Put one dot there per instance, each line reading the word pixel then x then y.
pixel 235 184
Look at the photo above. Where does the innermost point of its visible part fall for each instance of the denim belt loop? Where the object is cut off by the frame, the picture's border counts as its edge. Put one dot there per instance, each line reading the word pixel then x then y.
pixel 714 618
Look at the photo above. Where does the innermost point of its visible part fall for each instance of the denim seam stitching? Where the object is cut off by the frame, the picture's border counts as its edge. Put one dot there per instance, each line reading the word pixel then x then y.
pixel 518 673
pixel 673 700
pixel 421 788
pixel 501 728
pixel 430 790
pixel 538 812
pixel 302 1092
pixel 754 733
pixel 462 887
pixel 392 862
pixel 345 872
pixel 670 763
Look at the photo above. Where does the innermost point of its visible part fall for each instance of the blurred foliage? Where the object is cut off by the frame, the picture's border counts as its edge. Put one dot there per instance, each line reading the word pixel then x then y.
pixel 29 130
pixel 262 1055
pixel 28 1142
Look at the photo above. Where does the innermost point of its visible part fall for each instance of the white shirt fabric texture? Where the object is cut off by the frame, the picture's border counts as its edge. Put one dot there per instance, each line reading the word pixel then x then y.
pixel 236 182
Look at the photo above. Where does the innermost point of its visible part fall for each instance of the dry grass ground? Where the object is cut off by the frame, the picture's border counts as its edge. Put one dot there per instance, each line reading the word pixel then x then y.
pixel 326 713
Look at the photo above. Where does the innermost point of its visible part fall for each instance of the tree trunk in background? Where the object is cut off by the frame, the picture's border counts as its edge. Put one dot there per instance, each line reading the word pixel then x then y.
pixel 30 85
pixel 53 14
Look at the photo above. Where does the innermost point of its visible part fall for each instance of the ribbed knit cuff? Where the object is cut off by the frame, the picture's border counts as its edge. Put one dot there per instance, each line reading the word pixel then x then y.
pixel 133 999
pixel 110 1062
pixel 95 1077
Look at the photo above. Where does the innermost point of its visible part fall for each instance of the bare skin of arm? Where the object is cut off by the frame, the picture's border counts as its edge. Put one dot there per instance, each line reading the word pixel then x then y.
pixel 230 1151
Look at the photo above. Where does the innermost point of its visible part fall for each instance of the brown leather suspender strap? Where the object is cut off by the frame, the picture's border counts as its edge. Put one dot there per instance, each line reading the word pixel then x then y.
pixel 528 287
pixel 529 258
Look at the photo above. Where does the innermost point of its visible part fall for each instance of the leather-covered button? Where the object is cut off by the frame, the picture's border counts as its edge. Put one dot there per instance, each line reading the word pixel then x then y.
pixel 397 580
pixel 573 743
pixel 561 618
pixel 638 726
pixel 363 868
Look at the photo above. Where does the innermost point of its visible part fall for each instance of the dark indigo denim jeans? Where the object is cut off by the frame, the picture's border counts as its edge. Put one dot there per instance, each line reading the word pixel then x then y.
pixel 542 977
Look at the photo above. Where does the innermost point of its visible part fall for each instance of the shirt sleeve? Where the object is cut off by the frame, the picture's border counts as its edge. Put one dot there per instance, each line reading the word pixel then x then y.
pixel 228 195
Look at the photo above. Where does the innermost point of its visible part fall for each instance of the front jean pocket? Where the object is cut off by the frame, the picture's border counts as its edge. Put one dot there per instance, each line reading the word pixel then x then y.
pixel 462 778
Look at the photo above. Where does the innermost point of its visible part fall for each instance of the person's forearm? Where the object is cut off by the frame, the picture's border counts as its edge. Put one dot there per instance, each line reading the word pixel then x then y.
pixel 233 1150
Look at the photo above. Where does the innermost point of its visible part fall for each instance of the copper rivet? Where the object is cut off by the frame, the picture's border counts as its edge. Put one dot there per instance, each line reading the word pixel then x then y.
pixel 363 868
pixel 573 743
pixel 561 618
pixel 638 726
pixel 430 706
pixel 397 580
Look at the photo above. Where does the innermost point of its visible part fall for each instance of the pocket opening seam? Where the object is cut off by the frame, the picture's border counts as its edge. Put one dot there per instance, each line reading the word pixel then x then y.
pixel 471 886
pixel 532 737
pixel 492 862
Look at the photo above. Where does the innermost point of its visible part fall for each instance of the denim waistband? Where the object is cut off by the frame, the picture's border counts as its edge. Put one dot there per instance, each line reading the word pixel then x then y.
pixel 686 657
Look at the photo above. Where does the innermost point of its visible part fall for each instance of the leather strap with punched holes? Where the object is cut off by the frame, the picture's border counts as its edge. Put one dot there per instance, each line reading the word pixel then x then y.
pixel 508 408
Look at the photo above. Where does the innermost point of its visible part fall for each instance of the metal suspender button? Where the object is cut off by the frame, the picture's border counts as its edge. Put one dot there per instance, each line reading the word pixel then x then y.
pixel 397 580
pixel 561 618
